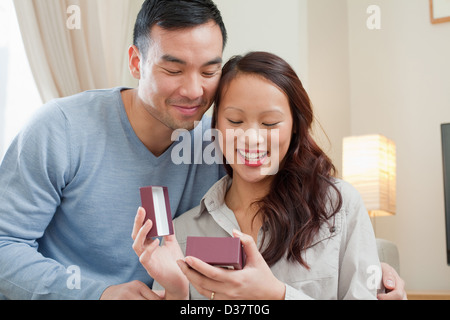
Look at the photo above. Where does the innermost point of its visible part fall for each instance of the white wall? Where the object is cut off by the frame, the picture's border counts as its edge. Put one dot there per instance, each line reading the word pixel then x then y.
pixel 279 27
pixel 328 74
pixel 400 87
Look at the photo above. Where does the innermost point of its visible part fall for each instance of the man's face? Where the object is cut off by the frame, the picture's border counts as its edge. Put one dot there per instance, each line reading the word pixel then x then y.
pixel 180 74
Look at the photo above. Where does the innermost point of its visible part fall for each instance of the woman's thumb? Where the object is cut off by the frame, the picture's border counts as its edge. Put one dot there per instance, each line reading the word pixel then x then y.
pixel 250 249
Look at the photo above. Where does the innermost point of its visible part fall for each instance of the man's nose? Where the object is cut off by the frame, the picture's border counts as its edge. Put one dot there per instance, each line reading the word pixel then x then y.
pixel 192 87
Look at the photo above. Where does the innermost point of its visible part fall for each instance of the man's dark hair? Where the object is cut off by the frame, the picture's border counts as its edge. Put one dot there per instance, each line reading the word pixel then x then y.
pixel 173 15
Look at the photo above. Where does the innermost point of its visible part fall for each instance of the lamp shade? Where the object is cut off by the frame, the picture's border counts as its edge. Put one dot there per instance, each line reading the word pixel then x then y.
pixel 369 164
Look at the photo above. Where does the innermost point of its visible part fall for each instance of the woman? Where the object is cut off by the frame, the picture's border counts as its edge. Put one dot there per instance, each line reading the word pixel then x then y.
pixel 306 234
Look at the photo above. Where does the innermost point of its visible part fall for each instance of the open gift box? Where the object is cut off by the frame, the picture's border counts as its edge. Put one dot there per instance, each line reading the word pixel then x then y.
pixel 155 201
pixel 219 252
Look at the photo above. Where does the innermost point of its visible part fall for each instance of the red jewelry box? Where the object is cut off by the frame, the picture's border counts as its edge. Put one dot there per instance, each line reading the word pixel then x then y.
pixel 155 201
pixel 219 252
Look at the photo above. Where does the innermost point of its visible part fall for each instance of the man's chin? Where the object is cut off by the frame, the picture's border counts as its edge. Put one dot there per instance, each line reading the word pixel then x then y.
pixel 180 122
pixel 186 125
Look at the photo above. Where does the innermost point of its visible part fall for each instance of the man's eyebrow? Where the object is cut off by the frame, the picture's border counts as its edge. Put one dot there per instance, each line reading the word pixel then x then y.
pixel 170 58
pixel 217 60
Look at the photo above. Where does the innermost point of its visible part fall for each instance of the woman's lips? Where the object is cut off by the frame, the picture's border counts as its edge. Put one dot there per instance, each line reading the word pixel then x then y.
pixel 252 158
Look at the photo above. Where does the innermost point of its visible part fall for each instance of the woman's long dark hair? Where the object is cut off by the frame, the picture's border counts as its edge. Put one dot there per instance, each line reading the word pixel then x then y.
pixel 299 199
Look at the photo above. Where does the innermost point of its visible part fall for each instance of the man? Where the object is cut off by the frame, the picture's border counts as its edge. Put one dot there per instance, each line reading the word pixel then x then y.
pixel 70 180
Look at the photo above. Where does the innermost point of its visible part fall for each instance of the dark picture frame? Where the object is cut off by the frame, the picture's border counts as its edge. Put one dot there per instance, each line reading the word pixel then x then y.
pixel 445 129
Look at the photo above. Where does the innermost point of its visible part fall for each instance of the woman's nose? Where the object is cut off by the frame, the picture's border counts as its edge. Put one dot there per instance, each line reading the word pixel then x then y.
pixel 252 139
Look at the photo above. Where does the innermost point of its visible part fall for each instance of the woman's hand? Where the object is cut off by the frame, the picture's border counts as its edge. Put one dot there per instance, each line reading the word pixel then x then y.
pixel 160 261
pixel 254 282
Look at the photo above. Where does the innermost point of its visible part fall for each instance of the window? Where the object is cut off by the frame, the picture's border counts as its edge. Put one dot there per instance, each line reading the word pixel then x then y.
pixel 19 97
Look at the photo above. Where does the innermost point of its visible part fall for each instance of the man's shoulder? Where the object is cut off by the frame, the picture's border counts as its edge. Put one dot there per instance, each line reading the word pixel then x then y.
pixel 88 109
pixel 88 100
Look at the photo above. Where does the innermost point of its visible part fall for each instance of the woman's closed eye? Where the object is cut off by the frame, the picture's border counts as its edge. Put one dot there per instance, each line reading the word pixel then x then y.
pixel 271 124
pixel 234 122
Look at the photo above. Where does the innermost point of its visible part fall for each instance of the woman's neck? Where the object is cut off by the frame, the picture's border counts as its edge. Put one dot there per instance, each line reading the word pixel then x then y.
pixel 241 198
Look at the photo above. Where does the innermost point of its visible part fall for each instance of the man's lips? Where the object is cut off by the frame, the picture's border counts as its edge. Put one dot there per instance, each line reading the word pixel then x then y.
pixel 187 110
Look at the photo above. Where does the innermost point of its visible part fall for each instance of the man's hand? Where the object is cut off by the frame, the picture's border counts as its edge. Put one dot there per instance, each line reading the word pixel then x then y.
pixel 395 286
pixel 134 290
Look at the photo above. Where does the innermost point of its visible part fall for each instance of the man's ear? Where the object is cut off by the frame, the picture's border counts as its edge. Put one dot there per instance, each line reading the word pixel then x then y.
pixel 134 62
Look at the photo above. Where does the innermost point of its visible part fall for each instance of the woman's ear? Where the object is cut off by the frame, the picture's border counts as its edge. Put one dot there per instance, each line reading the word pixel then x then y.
pixel 134 62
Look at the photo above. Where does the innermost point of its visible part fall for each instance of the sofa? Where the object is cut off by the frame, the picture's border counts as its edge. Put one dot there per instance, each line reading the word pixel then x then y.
pixel 388 253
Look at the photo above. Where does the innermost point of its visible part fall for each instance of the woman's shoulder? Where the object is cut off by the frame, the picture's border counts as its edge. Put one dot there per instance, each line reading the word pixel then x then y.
pixel 186 220
pixel 188 215
pixel 183 224
pixel 346 189
pixel 351 198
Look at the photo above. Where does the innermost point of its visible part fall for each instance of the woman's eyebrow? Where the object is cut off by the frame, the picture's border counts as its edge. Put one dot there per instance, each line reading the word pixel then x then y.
pixel 263 112
pixel 233 108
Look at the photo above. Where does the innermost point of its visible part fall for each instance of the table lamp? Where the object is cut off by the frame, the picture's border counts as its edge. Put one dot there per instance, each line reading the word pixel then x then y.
pixel 369 164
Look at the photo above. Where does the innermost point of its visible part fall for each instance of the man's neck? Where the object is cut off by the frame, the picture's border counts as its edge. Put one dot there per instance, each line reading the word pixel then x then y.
pixel 152 133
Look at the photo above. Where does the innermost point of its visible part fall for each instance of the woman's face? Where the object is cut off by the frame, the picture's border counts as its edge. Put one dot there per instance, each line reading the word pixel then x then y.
pixel 255 122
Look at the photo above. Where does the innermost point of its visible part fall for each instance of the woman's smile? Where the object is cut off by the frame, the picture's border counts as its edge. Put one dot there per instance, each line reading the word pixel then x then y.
pixel 252 158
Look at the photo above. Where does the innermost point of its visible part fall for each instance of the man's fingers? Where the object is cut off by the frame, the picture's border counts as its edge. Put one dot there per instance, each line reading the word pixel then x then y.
pixel 395 286
pixel 149 294
pixel 388 276
pixel 134 290
pixel 391 279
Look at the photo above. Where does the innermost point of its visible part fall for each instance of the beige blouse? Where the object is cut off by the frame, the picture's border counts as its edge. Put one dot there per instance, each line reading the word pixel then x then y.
pixel 343 260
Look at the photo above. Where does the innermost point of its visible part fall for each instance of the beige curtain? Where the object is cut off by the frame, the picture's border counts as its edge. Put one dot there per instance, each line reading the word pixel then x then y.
pixel 77 45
